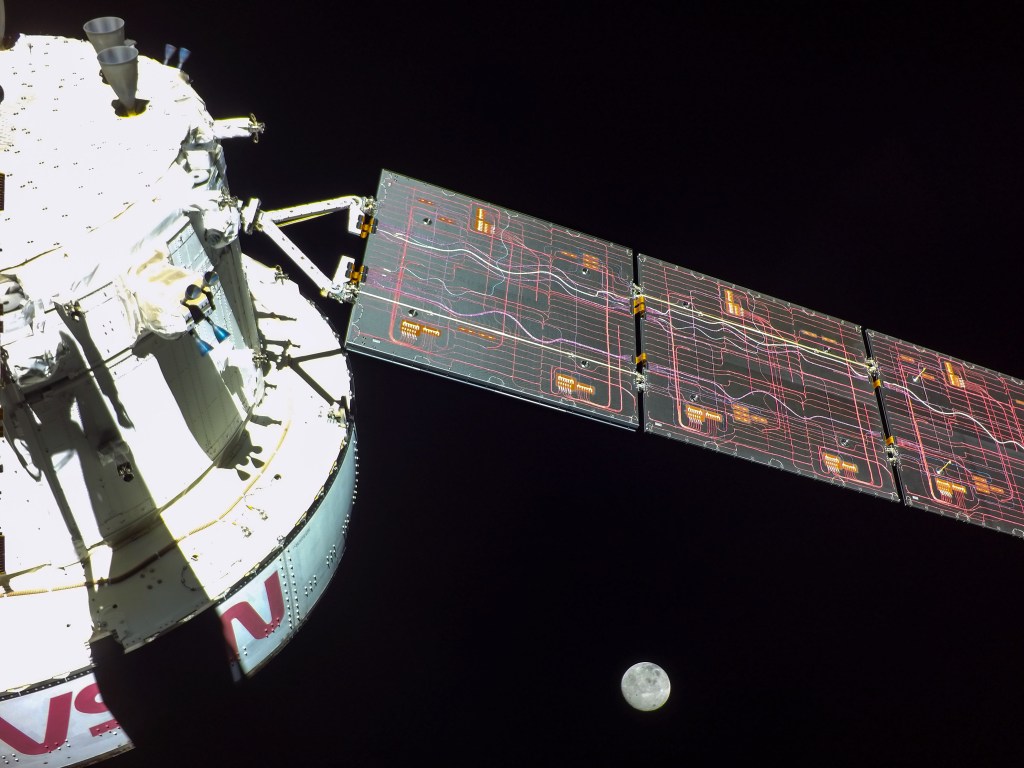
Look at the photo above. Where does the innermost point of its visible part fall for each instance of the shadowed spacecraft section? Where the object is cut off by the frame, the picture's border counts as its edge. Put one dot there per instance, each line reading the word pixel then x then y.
pixel 156 436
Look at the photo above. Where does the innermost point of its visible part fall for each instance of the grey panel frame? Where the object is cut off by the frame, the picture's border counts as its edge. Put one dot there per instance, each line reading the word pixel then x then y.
pixel 487 295
pixel 743 373
pixel 957 429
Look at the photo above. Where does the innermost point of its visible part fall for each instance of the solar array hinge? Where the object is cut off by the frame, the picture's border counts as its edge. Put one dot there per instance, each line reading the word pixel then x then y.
pixel 876 379
pixel 891 452
pixel 639 310
pixel 640 376
pixel 639 301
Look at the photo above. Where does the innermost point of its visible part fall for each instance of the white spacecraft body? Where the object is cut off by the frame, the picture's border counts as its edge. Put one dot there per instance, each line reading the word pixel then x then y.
pixel 176 431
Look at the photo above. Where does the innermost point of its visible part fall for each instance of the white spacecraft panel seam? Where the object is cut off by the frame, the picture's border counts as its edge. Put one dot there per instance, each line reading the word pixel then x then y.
pixel 48 634
pixel 65 72
pixel 217 551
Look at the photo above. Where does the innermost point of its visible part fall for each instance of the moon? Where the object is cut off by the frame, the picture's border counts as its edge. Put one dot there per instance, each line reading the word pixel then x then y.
pixel 645 686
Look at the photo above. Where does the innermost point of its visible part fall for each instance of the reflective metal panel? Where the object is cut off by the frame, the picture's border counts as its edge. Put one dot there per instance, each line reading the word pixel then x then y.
pixel 462 287
pixel 65 723
pixel 958 433
pixel 746 374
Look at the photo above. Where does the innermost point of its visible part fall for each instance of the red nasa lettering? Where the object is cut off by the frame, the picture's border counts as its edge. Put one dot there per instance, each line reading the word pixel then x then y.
pixel 88 701
pixel 247 616
pixel 58 720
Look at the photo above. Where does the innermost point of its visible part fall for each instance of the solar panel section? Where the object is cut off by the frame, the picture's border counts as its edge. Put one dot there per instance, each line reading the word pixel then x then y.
pixel 462 287
pixel 958 433
pixel 746 374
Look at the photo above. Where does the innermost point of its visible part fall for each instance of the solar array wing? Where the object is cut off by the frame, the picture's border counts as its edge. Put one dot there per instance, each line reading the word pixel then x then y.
pixel 459 286
pixel 958 433
pixel 746 374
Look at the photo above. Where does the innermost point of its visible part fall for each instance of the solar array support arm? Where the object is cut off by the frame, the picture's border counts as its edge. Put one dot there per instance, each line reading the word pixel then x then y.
pixel 238 127
pixel 345 284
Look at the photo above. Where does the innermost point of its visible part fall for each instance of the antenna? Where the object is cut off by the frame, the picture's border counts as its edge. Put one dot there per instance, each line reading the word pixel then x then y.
pixel 104 32
pixel 120 65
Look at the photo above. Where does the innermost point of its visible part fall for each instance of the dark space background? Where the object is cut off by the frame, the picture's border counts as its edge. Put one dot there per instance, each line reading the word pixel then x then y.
pixel 506 563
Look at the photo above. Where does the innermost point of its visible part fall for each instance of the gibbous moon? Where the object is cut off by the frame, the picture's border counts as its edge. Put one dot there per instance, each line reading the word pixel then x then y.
pixel 645 686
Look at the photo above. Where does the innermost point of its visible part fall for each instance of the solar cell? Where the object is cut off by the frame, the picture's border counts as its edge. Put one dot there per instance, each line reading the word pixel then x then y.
pixel 958 433
pixel 764 379
pixel 468 289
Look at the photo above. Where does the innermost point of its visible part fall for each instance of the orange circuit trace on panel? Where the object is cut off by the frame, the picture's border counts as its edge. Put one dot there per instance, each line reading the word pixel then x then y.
pixel 954 379
pixel 838 465
pixel 732 304
pixel 411 330
pixel 481 223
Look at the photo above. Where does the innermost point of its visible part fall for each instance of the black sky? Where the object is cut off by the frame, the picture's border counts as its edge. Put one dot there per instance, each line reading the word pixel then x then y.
pixel 506 563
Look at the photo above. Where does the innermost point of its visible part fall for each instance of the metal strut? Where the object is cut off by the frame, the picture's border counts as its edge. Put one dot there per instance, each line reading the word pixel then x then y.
pixel 344 286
